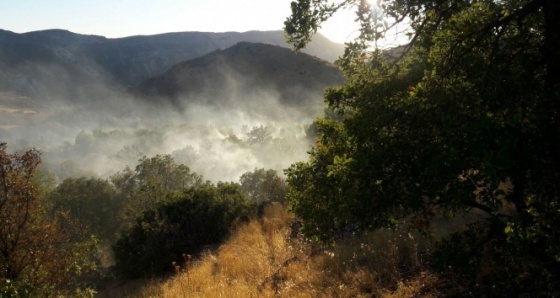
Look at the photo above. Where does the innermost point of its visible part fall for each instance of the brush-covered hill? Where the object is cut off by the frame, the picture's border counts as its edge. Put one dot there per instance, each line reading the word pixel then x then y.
pixel 137 58
pixel 62 64
pixel 244 71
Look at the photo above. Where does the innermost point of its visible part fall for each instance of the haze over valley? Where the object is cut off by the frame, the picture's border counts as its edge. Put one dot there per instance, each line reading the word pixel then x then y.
pixel 221 103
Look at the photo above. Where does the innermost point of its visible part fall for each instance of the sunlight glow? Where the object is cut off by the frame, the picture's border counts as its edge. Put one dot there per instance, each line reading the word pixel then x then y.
pixel 342 27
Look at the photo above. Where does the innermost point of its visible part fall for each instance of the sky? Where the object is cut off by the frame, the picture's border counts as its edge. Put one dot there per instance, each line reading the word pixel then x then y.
pixel 120 18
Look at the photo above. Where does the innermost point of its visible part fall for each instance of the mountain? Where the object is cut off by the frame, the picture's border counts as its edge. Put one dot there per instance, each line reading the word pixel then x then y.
pixel 134 59
pixel 59 63
pixel 244 72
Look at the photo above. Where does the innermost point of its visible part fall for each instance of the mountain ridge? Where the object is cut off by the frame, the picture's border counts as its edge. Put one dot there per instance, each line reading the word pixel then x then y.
pixel 59 63
pixel 244 70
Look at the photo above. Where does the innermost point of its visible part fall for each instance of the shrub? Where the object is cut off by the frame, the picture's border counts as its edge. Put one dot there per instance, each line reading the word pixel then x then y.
pixel 185 223
pixel 264 186
pixel 39 256
pixel 92 202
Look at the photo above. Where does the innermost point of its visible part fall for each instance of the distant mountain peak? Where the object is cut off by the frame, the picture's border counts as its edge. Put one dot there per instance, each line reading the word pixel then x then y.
pixel 242 69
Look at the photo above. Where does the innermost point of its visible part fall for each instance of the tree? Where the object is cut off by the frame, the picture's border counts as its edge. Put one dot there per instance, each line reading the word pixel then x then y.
pixel 264 186
pixel 195 217
pixel 151 182
pixel 37 254
pixel 92 202
pixel 465 116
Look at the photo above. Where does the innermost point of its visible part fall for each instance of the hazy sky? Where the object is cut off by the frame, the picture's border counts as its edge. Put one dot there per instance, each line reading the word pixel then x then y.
pixel 119 18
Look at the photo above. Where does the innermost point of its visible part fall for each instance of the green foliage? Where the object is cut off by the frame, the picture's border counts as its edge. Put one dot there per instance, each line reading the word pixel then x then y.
pixel 189 220
pixel 307 16
pixel 38 253
pixel 463 117
pixel 151 182
pixel 92 202
pixel 264 186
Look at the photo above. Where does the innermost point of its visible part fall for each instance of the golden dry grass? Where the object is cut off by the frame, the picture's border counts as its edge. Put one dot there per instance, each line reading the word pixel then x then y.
pixel 261 260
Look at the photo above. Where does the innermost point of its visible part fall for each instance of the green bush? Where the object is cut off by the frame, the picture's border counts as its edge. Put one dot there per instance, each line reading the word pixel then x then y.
pixel 185 223
pixel 150 183
pixel 264 186
pixel 40 255
pixel 92 202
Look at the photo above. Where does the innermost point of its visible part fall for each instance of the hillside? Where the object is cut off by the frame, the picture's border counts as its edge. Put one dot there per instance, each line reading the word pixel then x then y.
pixel 263 259
pixel 61 64
pixel 245 71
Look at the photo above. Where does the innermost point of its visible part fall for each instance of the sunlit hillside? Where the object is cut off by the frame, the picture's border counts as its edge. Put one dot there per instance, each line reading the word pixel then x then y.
pixel 265 258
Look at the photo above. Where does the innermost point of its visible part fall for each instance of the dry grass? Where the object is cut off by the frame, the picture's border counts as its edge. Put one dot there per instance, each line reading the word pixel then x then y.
pixel 260 260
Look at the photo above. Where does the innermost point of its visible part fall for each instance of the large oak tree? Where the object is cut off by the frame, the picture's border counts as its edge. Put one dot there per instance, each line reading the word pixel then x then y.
pixel 465 116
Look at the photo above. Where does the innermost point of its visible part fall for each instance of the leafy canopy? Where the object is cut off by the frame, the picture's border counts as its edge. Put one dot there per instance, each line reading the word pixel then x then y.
pixel 40 255
pixel 150 183
pixel 466 115
pixel 92 202
pixel 192 218
pixel 264 186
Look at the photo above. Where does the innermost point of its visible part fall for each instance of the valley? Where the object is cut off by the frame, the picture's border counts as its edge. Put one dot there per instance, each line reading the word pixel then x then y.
pixel 84 100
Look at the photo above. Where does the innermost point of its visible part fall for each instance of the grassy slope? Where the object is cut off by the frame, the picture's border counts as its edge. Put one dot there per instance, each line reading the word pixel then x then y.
pixel 261 260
